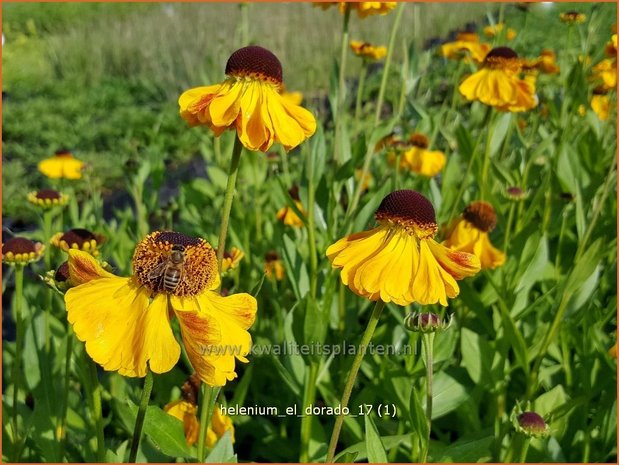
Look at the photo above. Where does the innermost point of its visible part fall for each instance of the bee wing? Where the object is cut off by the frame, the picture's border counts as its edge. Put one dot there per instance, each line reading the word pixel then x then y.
pixel 157 271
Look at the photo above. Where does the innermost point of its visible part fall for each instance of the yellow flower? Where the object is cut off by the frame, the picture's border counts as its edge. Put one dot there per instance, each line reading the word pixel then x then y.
pixel 273 266
pixel 399 261
pixel 288 216
pixel 546 63
pixel 611 46
pixel 78 239
pixel 606 73
pixel 220 423
pixel 466 45
pixel 582 110
pixel 469 233
pixel 61 165
pixel 185 409
pixel 366 181
pixel 125 322
pixel 231 259
pixel 572 17
pixel 367 50
pixel 493 31
pixel 419 159
pixel 21 251
pixel 48 198
pixel 187 413
pixel 250 101
pixel 363 9
pixel 497 83
pixel 600 104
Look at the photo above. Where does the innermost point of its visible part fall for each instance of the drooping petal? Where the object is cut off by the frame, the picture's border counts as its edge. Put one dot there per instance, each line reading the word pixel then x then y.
pixel 215 334
pixel 187 413
pixel 463 236
pixel 121 331
pixel 226 106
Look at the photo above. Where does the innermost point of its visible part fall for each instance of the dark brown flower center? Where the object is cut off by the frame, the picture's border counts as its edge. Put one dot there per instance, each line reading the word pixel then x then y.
pixel 419 140
pixel 78 236
pixel 271 256
pixel 191 389
pixel 409 209
pixel 482 215
pixel 48 194
pixel 502 52
pixel 171 262
pixel 532 422
pixel 256 62
pixel 63 152
pixel 62 273
pixel 19 245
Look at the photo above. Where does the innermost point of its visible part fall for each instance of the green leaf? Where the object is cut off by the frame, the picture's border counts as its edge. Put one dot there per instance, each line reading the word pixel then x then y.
pixel 296 268
pixel 477 356
pixel 585 266
pixel 468 450
pixel 448 394
pixel 165 431
pixel 360 448
pixel 223 452
pixel 375 448
pixel 533 262
pixel 501 125
pixel 346 457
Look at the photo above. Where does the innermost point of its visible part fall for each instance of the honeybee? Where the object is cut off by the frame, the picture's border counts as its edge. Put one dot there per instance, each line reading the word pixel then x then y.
pixel 170 272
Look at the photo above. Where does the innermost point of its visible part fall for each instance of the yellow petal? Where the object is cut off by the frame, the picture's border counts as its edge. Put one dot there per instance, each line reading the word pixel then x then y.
pixel 121 331
pixel 186 412
pixel 215 334
pixel 83 268
pixel 226 105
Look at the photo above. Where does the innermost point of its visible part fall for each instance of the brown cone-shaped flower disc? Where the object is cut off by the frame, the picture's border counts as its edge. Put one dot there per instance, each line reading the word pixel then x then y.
pixel 255 61
pixel 78 236
pixel 409 209
pixel 191 389
pixel 532 423
pixel 481 214
pixel 62 273
pixel 19 245
pixel 48 194
pixel 419 140
pixel 502 52
pixel 198 269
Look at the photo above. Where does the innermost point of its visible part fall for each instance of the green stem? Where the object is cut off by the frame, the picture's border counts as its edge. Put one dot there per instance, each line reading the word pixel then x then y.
pixel 428 346
pixel 360 86
pixel 61 430
pixel 97 410
pixel 383 83
pixel 229 196
pixel 19 335
pixel 456 92
pixel 486 163
pixel 522 447
pixel 508 228
pixel 47 234
pixel 139 421
pixel 206 412
pixel 311 227
pixel 341 89
pixel 352 376
pixel 306 422
pixel 469 168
